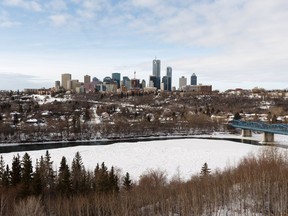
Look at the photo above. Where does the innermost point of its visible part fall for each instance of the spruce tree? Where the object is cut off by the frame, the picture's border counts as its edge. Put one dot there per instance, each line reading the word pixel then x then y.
pixel 113 181
pixel 37 184
pixel 102 179
pixel 6 178
pixel 27 171
pixel 205 171
pixel 48 171
pixel 127 182
pixel 77 174
pixel 64 183
pixel 2 169
pixel 16 171
pixel 237 116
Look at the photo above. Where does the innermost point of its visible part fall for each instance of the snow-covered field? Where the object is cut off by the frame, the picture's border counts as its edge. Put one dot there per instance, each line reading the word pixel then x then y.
pixel 183 157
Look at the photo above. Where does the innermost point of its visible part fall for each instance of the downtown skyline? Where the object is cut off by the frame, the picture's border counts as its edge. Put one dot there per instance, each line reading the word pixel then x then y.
pixel 228 44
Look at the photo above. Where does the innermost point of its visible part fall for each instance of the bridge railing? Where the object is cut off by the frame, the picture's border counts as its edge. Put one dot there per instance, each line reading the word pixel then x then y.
pixel 261 126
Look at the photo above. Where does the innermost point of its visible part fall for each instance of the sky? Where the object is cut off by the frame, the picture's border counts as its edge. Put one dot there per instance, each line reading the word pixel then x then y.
pixel 226 43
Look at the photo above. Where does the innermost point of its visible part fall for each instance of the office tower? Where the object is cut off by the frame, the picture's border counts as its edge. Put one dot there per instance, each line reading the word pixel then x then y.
pixel 143 84
pixel 57 84
pixel 107 80
pixel 126 82
pixel 65 80
pixel 87 79
pixel 182 82
pixel 74 84
pixel 116 77
pixel 95 79
pixel 193 79
pixel 164 84
pixel 152 81
pixel 156 72
pixel 169 78
pixel 135 84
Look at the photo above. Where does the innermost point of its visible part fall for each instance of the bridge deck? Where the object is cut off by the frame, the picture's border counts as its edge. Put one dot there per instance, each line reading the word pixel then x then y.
pixel 261 126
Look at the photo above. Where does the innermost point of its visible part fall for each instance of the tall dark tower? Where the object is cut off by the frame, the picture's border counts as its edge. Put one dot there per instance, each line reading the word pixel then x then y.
pixel 156 72
pixel 193 79
pixel 116 77
pixel 169 78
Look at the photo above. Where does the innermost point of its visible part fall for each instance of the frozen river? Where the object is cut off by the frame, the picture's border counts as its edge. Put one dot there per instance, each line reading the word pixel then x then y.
pixel 178 157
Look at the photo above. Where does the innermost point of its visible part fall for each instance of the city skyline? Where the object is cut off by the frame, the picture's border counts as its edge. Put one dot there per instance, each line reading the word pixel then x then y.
pixel 228 44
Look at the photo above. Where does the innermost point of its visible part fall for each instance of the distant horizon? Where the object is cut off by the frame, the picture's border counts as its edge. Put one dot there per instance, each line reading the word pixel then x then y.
pixel 227 44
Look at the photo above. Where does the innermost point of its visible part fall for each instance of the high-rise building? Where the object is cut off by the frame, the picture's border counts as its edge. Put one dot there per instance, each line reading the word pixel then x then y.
pixel 126 82
pixel 182 82
pixel 157 72
pixel 57 84
pixel 135 84
pixel 169 72
pixel 164 84
pixel 65 80
pixel 116 77
pixel 87 79
pixel 152 81
pixel 169 78
pixel 143 84
pixel 193 79
pixel 74 84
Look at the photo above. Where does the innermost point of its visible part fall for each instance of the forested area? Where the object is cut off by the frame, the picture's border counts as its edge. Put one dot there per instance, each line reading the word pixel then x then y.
pixel 258 185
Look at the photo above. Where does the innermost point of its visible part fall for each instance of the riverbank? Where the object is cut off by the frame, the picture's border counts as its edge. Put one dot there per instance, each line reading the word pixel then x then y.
pixel 280 141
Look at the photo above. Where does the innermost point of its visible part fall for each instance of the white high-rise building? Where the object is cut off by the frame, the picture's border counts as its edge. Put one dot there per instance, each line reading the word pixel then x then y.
pixel 64 82
pixel 182 82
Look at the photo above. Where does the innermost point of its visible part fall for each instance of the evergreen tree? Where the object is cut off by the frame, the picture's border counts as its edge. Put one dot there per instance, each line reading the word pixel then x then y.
pixel 113 181
pixel 37 184
pixel 77 174
pixel 205 171
pixel 15 171
pixel 6 178
pixel 2 169
pixel 102 179
pixel 15 119
pixel 48 171
pixel 127 182
pixel 27 171
pixel 237 116
pixel 64 183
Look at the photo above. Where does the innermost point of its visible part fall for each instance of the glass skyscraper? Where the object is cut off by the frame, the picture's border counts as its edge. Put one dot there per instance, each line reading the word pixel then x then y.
pixel 157 72
pixel 169 78
pixel 116 77
pixel 193 79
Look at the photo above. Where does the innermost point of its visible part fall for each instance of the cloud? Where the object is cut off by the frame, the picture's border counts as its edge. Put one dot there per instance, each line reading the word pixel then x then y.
pixel 60 19
pixel 57 5
pixel 5 20
pixel 15 81
pixel 29 5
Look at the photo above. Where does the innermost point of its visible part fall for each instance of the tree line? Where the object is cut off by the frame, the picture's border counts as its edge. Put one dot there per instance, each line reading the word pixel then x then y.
pixel 41 180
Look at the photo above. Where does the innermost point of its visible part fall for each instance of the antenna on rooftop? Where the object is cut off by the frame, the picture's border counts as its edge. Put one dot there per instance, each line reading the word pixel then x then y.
pixel 134 74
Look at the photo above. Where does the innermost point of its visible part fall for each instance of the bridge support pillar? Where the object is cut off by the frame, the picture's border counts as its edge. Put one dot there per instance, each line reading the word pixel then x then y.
pixel 268 137
pixel 246 133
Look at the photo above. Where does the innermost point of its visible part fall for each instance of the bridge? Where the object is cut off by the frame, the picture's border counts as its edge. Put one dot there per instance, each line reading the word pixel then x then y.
pixel 268 129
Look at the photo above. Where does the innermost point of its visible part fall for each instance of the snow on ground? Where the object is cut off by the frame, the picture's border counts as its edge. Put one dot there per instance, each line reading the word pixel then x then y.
pixel 183 156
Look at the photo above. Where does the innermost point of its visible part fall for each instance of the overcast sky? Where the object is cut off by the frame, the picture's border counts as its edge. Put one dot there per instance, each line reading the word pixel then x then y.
pixel 226 43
